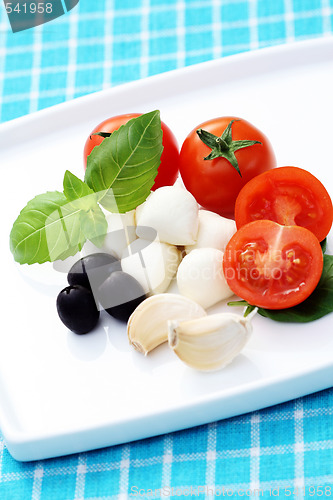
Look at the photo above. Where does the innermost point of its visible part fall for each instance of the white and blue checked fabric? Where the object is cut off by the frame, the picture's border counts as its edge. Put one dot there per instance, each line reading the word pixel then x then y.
pixel 283 451
pixel 108 42
pixel 288 448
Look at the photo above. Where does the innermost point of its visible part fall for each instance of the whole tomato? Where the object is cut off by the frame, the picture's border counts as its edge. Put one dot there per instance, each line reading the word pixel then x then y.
pixel 169 166
pixel 219 157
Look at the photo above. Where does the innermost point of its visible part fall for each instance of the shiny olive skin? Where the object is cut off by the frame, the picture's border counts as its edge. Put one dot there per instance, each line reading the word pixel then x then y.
pixel 77 309
pixel 92 270
pixel 120 294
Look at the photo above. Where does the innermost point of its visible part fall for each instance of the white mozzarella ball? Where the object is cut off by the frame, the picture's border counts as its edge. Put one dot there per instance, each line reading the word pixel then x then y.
pixel 200 277
pixel 120 233
pixel 152 263
pixel 172 212
pixel 214 231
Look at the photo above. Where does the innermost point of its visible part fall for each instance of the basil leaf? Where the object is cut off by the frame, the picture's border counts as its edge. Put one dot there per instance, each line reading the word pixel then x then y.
pixel 122 169
pixel 317 305
pixel 47 228
pixel 92 219
pixel 74 188
pixel 94 225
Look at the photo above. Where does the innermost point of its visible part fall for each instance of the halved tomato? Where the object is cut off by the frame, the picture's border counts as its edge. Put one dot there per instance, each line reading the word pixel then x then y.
pixel 289 196
pixel 273 266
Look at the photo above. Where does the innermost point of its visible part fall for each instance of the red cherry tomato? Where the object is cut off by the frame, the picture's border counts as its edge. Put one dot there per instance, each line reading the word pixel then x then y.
pixel 215 183
pixel 273 266
pixel 169 166
pixel 289 196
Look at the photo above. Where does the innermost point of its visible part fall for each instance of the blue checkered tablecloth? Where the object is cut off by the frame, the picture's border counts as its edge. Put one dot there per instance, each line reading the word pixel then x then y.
pixel 283 451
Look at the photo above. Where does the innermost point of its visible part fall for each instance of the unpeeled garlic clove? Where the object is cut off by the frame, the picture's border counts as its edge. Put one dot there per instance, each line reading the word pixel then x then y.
pixel 211 342
pixel 147 327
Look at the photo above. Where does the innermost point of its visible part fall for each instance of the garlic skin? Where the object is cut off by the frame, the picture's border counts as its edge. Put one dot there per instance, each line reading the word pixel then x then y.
pixel 152 263
pixel 172 212
pixel 120 233
pixel 214 231
pixel 200 277
pixel 211 342
pixel 147 327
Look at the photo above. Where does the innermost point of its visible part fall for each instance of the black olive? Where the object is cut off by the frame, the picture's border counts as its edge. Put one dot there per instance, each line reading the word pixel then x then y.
pixel 77 309
pixel 120 294
pixel 92 270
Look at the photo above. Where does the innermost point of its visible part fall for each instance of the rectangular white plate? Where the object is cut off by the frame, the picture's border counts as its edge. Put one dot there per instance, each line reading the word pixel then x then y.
pixel 61 393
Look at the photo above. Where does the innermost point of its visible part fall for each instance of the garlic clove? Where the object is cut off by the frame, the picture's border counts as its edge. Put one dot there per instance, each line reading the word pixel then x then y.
pixel 147 327
pixel 172 212
pixel 211 342
pixel 200 277
pixel 214 231
pixel 151 263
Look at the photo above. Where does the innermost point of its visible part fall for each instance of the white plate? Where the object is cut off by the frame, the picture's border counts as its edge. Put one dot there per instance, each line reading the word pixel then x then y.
pixel 61 393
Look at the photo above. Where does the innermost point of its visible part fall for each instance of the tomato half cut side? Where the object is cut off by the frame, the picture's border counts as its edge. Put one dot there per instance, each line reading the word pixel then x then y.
pixel 169 167
pixel 289 196
pixel 273 266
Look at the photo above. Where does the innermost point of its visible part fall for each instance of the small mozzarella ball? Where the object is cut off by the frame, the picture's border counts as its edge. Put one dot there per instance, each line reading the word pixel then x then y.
pixel 172 212
pixel 139 209
pixel 214 231
pixel 120 233
pixel 200 277
pixel 152 263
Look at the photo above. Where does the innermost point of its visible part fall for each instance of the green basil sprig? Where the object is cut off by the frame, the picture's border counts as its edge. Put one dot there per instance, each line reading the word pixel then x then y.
pixel 47 227
pixel 120 173
pixel 124 166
